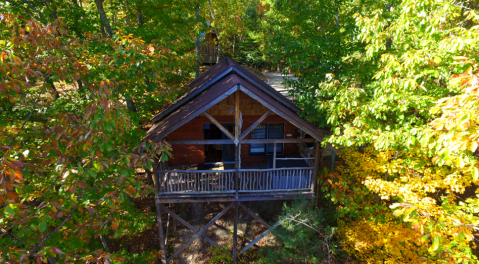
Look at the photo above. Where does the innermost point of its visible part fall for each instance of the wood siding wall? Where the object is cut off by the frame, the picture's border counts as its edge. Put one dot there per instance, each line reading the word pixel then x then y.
pixel 248 107
pixel 184 154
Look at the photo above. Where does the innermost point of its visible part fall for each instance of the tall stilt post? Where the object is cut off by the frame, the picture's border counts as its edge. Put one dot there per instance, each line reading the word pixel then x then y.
pixel 237 166
pixel 156 181
pixel 235 233
pixel 160 230
pixel 237 134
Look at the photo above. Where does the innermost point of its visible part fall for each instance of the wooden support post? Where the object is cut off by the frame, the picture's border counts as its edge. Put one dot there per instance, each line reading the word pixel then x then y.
pixel 235 233
pixel 274 156
pixel 160 231
pixel 237 133
pixel 316 165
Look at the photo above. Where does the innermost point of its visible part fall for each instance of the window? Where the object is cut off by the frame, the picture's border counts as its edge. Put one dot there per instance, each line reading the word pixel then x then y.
pixel 275 131
pixel 270 131
pixel 258 133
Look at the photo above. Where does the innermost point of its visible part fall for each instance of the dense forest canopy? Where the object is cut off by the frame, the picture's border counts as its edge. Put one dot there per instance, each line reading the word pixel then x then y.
pixel 396 82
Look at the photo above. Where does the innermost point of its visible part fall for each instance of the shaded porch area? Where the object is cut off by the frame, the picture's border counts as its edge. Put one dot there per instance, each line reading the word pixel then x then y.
pixel 218 181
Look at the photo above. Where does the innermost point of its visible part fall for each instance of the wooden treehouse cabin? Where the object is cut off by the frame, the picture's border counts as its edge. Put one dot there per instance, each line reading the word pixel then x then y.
pixel 234 139
pixel 208 49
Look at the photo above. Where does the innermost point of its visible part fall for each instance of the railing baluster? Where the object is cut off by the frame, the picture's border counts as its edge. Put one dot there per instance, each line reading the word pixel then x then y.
pixel 294 181
pixel 271 182
pixel 182 180
pixel 180 176
pixel 252 187
pixel 302 174
pixel 194 176
pixel 288 178
pixel 191 176
pixel 243 180
pixel 175 181
pixel 167 180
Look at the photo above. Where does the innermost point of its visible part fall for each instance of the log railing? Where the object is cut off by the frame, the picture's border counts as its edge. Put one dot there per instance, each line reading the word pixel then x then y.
pixel 196 181
pixel 281 179
pixel 223 181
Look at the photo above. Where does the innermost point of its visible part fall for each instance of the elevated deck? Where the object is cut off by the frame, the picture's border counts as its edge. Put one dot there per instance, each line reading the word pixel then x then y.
pixel 220 185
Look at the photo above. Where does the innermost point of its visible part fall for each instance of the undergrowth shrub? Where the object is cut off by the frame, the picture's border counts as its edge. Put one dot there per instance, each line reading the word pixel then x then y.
pixel 305 236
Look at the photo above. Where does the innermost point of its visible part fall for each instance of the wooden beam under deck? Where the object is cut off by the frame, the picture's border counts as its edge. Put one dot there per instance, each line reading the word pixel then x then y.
pixel 232 198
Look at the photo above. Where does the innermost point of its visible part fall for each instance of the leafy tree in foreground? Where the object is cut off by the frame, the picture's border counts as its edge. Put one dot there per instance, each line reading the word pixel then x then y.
pixel 399 80
pixel 72 104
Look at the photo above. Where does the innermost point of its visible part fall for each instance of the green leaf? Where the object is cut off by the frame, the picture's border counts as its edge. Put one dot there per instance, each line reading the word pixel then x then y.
pixel 9 210
pixel 43 224
pixel 435 244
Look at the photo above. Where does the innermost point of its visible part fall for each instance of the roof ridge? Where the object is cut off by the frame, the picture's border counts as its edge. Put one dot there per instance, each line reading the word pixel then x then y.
pixel 214 74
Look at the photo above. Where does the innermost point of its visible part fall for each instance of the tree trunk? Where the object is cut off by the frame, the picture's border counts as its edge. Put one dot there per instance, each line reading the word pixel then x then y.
pixel 103 17
pixel 197 43
pixel 81 88
pixel 149 177
pixel 103 32
pixel 76 26
pixel 139 16
pixel 130 104
pixel 126 17
pixel 105 244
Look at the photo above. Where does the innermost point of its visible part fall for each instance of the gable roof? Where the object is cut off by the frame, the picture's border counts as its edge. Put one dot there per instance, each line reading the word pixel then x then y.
pixel 216 84
pixel 215 74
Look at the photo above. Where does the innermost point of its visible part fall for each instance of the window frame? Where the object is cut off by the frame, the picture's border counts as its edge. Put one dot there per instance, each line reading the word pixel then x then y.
pixel 265 145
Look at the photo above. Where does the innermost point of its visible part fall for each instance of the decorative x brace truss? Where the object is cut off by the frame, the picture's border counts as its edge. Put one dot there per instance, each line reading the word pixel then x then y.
pixel 202 233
